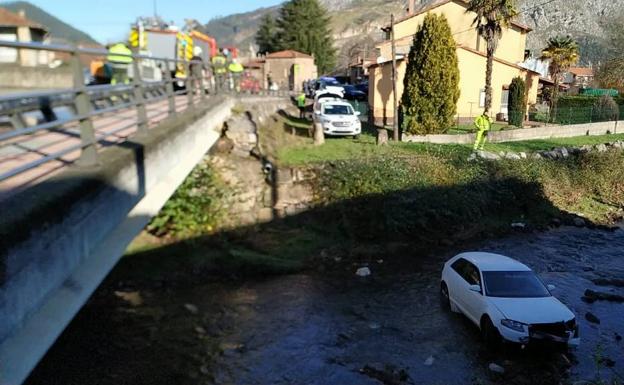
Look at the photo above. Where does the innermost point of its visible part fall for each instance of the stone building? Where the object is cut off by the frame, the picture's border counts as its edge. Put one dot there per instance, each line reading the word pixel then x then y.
pixel 288 69
pixel 16 27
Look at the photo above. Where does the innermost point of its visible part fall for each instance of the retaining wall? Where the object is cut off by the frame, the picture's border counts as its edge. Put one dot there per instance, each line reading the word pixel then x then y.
pixel 545 132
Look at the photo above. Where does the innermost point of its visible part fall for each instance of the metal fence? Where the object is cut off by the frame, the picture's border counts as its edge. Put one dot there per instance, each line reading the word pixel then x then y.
pixel 579 115
pixel 76 111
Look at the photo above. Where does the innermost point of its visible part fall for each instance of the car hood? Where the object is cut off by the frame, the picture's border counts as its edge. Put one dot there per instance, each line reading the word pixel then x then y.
pixel 533 310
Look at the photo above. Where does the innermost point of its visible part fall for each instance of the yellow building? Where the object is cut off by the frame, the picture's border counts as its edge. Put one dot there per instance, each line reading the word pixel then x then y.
pixel 471 59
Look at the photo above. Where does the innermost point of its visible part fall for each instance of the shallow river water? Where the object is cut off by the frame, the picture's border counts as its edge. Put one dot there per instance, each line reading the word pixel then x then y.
pixel 310 329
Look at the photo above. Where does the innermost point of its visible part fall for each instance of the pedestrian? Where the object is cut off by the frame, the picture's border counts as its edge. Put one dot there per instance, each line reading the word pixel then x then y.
pixel 301 104
pixel 236 70
pixel 196 69
pixel 219 69
pixel 483 123
pixel 120 61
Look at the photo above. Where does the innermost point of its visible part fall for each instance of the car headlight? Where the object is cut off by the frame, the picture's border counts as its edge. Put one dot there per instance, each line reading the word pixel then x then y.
pixel 513 325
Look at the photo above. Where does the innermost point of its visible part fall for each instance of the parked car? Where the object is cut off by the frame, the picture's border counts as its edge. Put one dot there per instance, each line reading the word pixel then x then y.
pixel 362 87
pixel 328 85
pixel 506 300
pixel 248 83
pixel 337 117
pixel 352 93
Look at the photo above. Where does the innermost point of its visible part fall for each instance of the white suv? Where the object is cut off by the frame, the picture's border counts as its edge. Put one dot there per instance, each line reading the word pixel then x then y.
pixel 337 118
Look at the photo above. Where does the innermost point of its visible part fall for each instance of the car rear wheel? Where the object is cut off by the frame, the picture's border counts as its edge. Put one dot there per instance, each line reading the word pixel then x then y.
pixel 445 298
pixel 489 333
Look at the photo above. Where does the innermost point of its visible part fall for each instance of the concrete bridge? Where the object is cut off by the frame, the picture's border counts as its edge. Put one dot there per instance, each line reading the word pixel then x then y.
pixel 82 171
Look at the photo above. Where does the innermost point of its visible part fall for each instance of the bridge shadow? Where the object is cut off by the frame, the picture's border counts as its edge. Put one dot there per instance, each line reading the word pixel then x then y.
pixel 406 229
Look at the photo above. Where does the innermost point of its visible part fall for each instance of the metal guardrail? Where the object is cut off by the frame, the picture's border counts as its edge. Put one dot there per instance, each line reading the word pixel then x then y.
pixel 88 102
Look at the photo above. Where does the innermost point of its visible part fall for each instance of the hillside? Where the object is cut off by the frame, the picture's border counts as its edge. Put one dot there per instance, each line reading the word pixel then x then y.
pixel 359 20
pixel 59 30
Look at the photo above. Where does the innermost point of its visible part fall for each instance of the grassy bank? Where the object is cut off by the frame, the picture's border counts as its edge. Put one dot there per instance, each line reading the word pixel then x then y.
pixel 302 151
pixel 371 199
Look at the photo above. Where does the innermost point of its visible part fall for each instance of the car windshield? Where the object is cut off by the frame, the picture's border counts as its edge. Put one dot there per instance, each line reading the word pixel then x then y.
pixel 333 109
pixel 514 284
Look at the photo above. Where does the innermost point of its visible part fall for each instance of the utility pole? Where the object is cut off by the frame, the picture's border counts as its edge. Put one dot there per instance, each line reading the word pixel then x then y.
pixel 395 125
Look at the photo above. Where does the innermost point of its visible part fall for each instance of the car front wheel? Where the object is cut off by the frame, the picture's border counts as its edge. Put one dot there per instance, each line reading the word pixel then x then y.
pixel 444 296
pixel 489 333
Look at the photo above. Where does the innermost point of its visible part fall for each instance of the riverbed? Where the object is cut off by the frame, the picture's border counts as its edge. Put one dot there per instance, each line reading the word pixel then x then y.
pixel 337 328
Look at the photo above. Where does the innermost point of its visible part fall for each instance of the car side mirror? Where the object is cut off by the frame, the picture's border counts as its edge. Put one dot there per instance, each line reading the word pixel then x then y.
pixel 358 113
pixel 475 288
pixel 551 287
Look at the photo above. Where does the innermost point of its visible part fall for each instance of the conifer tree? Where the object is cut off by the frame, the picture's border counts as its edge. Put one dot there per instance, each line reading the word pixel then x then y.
pixel 304 26
pixel 431 83
pixel 267 35
pixel 517 101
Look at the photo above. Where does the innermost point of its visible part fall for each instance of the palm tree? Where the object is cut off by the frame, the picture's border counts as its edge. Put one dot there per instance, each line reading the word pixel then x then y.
pixel 563 52
pixel 492 16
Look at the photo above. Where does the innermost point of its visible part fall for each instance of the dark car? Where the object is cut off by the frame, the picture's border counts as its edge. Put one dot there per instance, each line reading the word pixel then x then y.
pixel 362 87
pixel 352 93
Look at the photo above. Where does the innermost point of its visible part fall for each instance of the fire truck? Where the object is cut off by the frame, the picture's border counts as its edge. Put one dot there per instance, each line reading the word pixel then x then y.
pixel 153 37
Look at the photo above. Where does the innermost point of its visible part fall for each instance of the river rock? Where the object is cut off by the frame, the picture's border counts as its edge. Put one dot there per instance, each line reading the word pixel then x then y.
pixel 564 152
pixel 579 222
pixel 191 308
pixel 618 337
pixel 591 296
pixel 495 368
pixel 429 361
pixel 363 272
pixel 601 147
pixel 512 156
pixel 617 282
pixel 592 318
pixel 523 155
pixel 132 297
pixel 488 155
pixel 386 374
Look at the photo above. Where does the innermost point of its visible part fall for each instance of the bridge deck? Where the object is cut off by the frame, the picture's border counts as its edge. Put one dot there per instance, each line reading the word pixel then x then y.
pixel 110 129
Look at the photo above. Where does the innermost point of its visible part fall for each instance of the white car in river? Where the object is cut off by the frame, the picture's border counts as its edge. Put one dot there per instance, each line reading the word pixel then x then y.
pixel 337 117
pixel 506 299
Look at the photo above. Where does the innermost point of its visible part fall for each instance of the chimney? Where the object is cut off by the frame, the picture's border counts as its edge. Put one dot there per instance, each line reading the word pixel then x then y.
pixel 22 13
pixel 410 7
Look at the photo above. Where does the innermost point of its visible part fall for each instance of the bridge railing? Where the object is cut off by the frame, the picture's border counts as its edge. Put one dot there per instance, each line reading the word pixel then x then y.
pixel 156 88
pixel 87 102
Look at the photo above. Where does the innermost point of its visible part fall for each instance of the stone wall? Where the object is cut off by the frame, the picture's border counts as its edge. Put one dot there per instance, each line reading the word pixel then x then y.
pixel 258 190
pixel 545 132
pixel 34 78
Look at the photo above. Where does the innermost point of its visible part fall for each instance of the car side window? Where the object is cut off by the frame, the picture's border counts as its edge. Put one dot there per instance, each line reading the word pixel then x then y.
pixel 471 274
pixel 467 271
pixel 459 266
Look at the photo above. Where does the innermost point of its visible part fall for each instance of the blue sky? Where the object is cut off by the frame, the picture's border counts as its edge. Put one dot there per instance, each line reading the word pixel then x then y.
pixel 109 20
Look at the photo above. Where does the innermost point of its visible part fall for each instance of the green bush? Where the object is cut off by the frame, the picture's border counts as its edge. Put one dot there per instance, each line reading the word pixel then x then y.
pixel 194 208
pixel 431 83
pixel 517 101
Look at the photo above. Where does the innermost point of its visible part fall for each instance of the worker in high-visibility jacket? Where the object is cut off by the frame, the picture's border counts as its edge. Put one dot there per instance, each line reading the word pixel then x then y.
pixel 483 123
pixel 301 103
pixel 120 62
pixel 236 71
pixel 219 69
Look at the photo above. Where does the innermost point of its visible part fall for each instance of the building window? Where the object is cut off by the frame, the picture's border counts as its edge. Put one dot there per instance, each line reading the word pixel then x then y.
pixel 505 101
pixel 482 98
